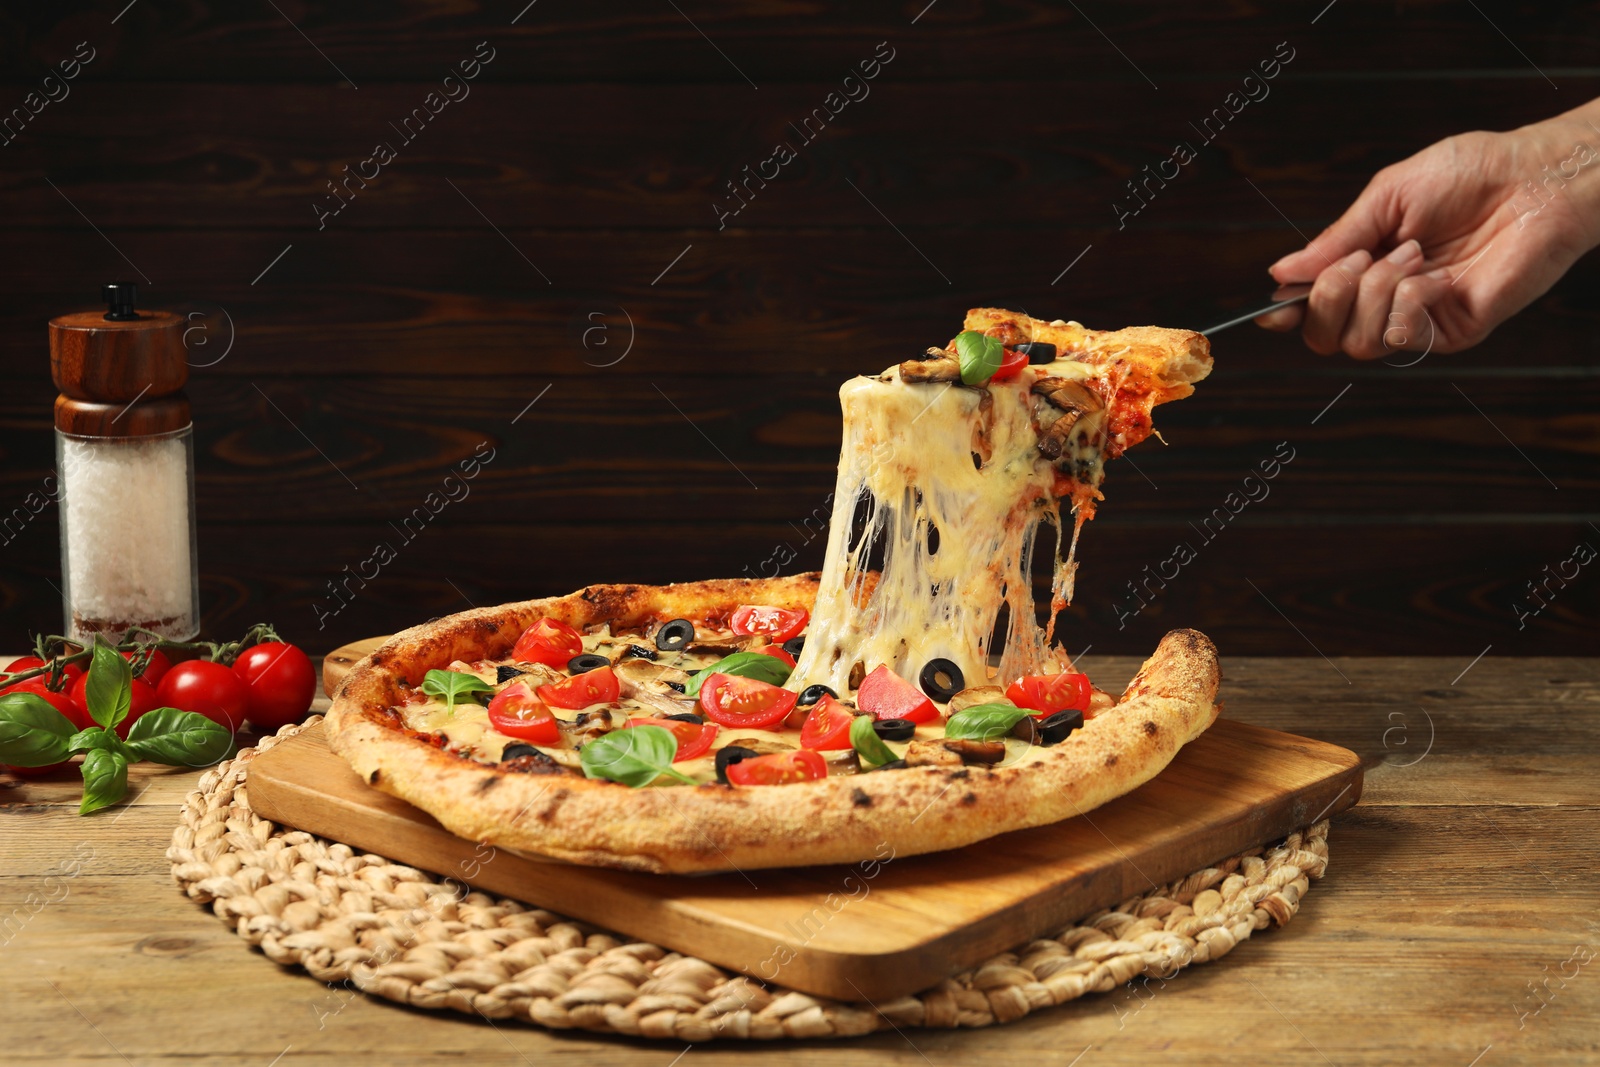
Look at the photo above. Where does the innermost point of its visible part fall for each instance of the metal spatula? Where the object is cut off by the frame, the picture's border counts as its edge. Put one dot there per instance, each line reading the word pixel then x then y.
pixel 1297 293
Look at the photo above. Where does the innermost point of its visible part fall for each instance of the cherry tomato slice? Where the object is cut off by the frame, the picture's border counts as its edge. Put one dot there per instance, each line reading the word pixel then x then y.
pixel 516 712
pixel 1011 365
pixel 779 624
pixel 1046 694
pixel 694 738
pixel 886 695
pixel 548 641
pixel 827 726
pixel 744 702
pixel 780 768
pixel 777 653
pixel 598 686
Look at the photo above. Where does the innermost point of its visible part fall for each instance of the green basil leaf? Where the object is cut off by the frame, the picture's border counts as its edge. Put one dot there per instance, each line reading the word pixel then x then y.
pixel 105 779
pixel 109 692
pixel 868 745
pixel 635 756
pixel 756 665
pixel 178 738
pixel 96 737
pixel 984 722
pixel 980 356
pixel 453 685
pixel 32 733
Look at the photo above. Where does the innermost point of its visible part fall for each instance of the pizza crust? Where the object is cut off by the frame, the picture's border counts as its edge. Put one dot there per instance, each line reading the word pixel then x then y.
pixel 714 827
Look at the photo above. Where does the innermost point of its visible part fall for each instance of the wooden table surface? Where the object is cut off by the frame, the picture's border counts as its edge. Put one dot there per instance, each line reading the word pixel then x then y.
pixel 1457 924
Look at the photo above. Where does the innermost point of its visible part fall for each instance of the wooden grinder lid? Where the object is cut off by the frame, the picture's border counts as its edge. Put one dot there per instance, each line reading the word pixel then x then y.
pixel 121 372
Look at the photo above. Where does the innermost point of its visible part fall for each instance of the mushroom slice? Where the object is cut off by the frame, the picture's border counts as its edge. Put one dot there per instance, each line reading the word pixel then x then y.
pixel 938 367
pixel 635 676
pixel 728 645
pixel 929 753
pixel 974 695
pixel 841 761
pixel 765 746
pixel 591 724
pixel 1054 440
pixel 976 751
pixel 1067 394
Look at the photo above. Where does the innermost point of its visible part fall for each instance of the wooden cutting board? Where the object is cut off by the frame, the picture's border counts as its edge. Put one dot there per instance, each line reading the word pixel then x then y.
pixel 876 930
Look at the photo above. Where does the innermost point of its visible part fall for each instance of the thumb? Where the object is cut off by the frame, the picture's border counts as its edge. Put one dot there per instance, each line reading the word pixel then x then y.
pixel 1363 226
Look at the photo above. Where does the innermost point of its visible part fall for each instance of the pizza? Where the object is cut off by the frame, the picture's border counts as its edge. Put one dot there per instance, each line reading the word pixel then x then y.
pixel 910 695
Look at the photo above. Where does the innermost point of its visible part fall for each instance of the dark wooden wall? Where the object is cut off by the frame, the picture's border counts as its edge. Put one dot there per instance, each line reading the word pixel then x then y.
pixel 377 353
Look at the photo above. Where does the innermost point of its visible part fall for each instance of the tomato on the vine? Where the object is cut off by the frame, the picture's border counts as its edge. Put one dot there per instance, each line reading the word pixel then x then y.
pixel 516 712
pixel 212 690
pixel 1046 694
pixel 827 726
pixel 886 695
pixel 279 683
pixel 141 698
pixel 778 624
pixel 548 641
pixel 694 738
pixel 70 672
pixel 62 701
pixel 154 670
pixel 599 686
pixel 747 703
pixel 780 768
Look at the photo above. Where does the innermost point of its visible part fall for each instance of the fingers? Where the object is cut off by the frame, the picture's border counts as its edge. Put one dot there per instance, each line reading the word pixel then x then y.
pixel 1332 296
pixel 1369 317
pixel 1413 331
pixel 1363 226
pixel 1286 318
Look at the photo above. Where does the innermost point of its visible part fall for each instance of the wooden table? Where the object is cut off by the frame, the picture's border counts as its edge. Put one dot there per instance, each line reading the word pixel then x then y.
pixel 1466 878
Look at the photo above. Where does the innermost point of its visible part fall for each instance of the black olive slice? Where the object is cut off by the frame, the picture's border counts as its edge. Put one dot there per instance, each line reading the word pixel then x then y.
pixel 794 645
pixel 685 716
pixel 505 674
pixel 674 686
pixel 813 694
pixel 518 749
pixel 1054 729
pixel 675 636
pixel 942 680
pixel 589 661
pixel 640 652
pixel 1037 351
pixel 893 765
pixel 894 729
pixel 732 754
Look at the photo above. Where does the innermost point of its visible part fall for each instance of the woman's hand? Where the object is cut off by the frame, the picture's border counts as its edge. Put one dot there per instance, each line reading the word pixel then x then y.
pixel 1441 248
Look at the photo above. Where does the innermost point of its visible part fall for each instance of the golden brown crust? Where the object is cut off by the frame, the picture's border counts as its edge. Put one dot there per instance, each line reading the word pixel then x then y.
pixel 715 827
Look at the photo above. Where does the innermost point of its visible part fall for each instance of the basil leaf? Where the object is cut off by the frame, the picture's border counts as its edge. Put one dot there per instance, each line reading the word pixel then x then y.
pixel 105 779
pixel 109 692
pixel 980 356
pixel 635 756
pixel 453 685
pixel 868 745
pixel 745 664
pixel 984 722
pixel 178 738
pixel 32 733
pixel 96 737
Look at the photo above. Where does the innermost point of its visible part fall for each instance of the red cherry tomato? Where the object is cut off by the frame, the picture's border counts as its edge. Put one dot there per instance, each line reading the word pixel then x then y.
pixel 748 703
pixel 779 624
pixel 516 712
pixel 886 695
pixel 141 698
pixel 1011 365
pixel 777 653
pixel 548 641
pixel 70 673
pixel 1046 694
pixel 155 670
pixel 694 738
pixel 598 686
pixel 780 768
pixel 62 701
pixel 827 726
pixel 279 682
pixel 208 688
pixel 35 772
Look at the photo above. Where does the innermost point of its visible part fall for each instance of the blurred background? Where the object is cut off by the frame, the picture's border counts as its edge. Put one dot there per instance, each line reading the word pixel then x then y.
pixel 550 282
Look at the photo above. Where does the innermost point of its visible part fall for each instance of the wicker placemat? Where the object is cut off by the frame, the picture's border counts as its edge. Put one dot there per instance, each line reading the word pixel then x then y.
pixel 359 920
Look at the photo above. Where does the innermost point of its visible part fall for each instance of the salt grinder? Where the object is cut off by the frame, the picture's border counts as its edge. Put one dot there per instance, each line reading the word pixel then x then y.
pixel 125 462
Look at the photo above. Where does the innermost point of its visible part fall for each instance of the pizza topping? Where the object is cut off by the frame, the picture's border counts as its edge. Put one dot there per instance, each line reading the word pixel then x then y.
pixel 738 701
pixel 940 366
pixel 1047 694
pixel 636 756
pixel 505 674
pixel 795 645
pixel 867 739
pixel 674 636
pixel 585 663
pixel 929 753
pixel 778 653
pixel 598 686
pixel 973 751
pixel 1054 729
pixel 517 750
pixel 893 729
pixel 941 679
pixel 801 765
pixel 1038 352
pixel 1011 364
pixel 776 624
pixel 885 695
pixel 980 356
pixel 743 664
pixel 451 686
pixel 694 737
pixel 827 726
pixel 640 652
pixel 975 695
pixel 813 693
pixel 730 755
pixel 534 762
pixel 517 712
pixel 985 722
pixel 548 641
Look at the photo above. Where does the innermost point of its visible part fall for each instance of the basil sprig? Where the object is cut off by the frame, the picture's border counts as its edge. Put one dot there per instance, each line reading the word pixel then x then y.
pixel 451 686
pixel 635 756
pixel 34 734
pixel 868 745
pixel 980 356
pixel 984 722
pixel 745 664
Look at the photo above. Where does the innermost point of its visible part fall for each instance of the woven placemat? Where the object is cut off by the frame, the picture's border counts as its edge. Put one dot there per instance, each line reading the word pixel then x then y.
pixel 393 931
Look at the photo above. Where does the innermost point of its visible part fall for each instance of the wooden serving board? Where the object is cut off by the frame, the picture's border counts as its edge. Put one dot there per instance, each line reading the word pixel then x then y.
pixel 876 930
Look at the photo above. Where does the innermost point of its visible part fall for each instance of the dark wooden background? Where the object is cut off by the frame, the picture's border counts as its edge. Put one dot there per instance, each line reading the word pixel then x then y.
pixel 376 354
